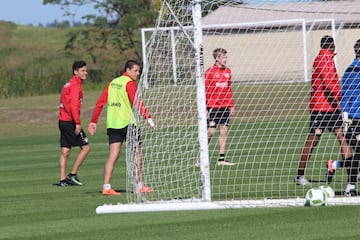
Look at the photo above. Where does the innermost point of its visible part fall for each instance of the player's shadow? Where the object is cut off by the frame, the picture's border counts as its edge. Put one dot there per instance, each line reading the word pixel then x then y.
pixel 341 193
pixel 72 186
pixel 338 193
pixel 117 190
pixel 317 181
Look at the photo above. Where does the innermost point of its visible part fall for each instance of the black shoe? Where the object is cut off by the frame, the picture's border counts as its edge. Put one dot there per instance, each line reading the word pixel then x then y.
pixel 73 179
pixel 352 193
pixel 330 171
pixel 64 183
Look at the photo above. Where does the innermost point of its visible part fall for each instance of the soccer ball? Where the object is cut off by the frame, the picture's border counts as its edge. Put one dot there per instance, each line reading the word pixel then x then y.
pixel 315 197
pixel 330 193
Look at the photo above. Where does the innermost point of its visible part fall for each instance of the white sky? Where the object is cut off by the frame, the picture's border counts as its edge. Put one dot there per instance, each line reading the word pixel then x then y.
pixel 24 12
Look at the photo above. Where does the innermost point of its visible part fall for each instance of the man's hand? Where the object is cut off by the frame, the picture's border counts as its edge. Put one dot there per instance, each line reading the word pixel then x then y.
pixel 151 123
pixel 346 121
pixel 232 111
pixel 92 128
pixel 77 129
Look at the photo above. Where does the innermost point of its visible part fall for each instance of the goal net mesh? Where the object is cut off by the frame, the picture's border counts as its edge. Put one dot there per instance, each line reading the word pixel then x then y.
pixel 271 46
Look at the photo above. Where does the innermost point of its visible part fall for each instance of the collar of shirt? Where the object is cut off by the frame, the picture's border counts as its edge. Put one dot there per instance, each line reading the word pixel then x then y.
pixel 327 52
pixel 127 75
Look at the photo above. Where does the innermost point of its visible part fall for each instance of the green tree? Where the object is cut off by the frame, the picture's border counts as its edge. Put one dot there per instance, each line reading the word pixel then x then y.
pixel 112 35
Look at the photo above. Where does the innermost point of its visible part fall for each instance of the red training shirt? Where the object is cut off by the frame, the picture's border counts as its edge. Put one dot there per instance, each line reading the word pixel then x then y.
pixel 325 85
pixel 218 87
pixel 71 100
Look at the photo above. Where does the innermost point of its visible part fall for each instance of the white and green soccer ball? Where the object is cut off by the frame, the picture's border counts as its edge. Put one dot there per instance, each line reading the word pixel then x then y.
pixel 315 197
pixel 330 193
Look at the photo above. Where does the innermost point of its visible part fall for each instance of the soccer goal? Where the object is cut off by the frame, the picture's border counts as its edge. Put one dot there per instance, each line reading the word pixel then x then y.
pixel 271 46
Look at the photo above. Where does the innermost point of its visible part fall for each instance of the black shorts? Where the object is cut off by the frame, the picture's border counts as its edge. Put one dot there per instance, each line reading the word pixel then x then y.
pixel 119 135
pixel 218 116
pixel 68 138
pixel 353 134
pixel 319 121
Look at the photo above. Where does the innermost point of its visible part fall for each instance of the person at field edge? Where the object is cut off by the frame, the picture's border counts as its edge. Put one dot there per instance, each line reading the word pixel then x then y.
pixel 120 96
pixel 325 110
pixel 350 103
pixel 71 132
pixel 219 101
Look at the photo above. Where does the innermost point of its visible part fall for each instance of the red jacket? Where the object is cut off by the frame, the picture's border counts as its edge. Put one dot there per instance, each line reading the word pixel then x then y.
pixel 325 85
pixel 218 87
pixel 71 100
pixel 131 89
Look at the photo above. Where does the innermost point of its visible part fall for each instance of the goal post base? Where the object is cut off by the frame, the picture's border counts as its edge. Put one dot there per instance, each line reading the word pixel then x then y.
pixel 174 205
pixel 155 207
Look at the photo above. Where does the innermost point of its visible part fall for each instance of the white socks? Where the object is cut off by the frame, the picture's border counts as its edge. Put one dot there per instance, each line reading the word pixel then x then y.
pixel 138 186
pixel 336 164
pixel 349 187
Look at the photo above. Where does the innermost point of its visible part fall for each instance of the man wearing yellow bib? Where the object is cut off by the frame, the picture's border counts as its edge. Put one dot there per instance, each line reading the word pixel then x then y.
pixel 119 96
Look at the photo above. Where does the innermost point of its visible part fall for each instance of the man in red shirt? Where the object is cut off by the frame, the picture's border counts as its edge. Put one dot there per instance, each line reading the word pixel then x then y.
pixel 119 96
pixel 219 101
pixel 324 107
pixel 71 132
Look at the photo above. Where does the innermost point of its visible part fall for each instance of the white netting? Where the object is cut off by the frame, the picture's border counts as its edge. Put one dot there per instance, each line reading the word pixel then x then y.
pixel 271 46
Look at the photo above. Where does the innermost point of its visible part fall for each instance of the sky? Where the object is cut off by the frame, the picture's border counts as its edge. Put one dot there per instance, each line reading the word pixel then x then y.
pixel 25 12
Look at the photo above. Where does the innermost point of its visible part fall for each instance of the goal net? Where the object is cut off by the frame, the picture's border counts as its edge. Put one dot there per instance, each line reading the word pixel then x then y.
pixel 270 46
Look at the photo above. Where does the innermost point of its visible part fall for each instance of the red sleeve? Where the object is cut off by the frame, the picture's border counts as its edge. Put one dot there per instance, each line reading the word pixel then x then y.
pixel 231 98
pixel 131 89
pixel 102 100
pixel 330 78
pixel 208 87
pixel 75 102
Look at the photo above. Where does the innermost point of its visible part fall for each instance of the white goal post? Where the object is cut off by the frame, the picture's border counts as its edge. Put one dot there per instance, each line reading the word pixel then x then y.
pixel 271 46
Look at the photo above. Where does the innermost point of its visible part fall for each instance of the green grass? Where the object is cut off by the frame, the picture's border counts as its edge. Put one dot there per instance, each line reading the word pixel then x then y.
pixel 33 208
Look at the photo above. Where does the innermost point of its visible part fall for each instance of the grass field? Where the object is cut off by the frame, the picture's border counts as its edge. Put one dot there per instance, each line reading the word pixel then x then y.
pixel 33 208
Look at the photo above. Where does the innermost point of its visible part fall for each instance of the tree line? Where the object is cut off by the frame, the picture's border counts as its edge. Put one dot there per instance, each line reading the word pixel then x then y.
pixel 106 40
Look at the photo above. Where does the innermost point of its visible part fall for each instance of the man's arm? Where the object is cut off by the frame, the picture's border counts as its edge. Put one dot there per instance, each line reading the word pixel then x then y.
pixel 331 82
pixel 131 89
pixel 75 105
pixel 102 100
